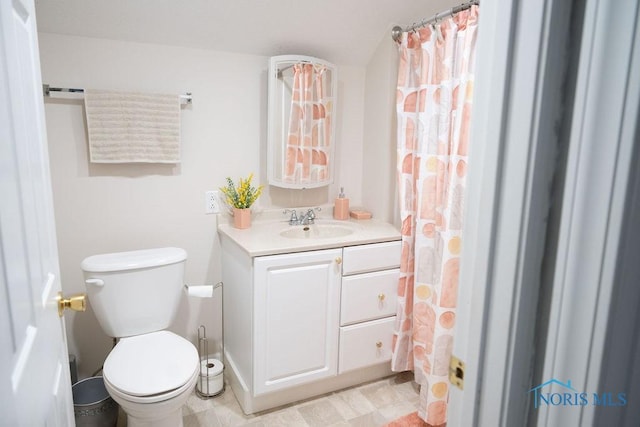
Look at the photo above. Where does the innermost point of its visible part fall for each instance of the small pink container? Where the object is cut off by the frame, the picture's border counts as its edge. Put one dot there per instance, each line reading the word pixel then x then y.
pixel 241 218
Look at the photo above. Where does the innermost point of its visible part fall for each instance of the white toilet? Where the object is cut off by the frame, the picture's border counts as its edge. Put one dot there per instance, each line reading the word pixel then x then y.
pixel 135 295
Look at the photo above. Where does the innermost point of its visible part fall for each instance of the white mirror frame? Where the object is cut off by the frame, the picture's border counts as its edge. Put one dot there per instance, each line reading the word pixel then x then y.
pixel 277 129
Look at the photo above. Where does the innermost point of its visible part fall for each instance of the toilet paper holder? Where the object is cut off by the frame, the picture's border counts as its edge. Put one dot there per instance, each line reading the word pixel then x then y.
pixel 211 378
pixel 201 291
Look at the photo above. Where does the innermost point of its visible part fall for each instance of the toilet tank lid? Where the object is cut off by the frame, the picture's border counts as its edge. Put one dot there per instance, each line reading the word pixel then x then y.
pixel 131 260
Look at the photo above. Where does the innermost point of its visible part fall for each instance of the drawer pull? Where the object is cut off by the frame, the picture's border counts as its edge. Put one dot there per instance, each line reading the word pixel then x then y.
pixel 339 260
pixel 379 344
pixel 381 297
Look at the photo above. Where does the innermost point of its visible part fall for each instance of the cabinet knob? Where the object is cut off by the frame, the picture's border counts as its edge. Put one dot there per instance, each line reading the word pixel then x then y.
pixel 339 260
pixel 379 344
pixel 381 297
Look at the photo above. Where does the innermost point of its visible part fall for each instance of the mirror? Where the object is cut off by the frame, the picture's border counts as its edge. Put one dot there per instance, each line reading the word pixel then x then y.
pixel 301 127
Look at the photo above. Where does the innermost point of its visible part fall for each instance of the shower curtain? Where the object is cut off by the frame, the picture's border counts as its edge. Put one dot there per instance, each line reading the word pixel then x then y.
pixel 434 95
pixel 309 138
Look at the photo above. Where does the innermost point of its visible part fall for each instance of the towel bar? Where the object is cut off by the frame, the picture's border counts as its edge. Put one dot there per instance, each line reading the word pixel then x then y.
pixel 185 98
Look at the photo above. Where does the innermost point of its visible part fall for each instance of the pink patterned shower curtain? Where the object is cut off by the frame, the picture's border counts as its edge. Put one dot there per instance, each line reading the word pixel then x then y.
pixel 309 139
pixel 435 89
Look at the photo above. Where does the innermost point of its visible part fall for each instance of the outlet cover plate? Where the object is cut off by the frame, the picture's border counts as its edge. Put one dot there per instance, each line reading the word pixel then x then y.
pixel 211 202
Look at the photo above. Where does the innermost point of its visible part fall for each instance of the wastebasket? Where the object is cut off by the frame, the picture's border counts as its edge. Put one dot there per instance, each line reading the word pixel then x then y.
pixel 92 405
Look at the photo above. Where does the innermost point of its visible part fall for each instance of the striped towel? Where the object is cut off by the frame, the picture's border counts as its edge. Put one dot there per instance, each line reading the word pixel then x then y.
pixel 127 127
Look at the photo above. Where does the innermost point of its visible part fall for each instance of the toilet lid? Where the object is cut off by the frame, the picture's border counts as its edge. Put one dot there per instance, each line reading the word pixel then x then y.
pixel 150 364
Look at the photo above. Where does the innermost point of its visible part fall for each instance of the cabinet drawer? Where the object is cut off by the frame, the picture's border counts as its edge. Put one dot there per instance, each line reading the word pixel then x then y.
pixel 365 344
pixel 368 296
pixel 377 256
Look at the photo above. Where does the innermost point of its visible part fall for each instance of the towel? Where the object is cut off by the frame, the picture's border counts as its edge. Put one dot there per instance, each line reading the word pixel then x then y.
pixel 127 127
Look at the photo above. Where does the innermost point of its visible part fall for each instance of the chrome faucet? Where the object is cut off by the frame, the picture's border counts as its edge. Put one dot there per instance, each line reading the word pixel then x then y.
pixel 303 218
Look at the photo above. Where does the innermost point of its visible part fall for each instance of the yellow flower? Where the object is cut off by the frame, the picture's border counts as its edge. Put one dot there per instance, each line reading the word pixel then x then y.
pixel 244 196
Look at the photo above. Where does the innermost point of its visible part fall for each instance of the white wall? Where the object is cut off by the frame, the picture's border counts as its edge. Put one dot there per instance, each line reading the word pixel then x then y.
pixel 106 208
pixel 379 149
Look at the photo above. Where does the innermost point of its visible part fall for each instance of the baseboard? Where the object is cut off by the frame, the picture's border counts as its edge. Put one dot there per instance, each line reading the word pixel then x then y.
pixel 251 404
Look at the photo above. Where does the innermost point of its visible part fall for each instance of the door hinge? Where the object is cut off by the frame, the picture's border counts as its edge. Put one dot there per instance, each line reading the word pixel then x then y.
pixel 456 372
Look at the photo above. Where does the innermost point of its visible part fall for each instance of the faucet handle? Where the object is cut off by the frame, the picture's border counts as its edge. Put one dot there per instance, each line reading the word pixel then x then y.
pixel 294 216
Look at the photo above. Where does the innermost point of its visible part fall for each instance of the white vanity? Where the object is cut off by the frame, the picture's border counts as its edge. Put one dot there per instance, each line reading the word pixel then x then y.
pixel 307 311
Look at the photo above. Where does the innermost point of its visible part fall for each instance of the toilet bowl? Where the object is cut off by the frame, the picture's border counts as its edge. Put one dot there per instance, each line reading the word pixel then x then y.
pixel 150 372
pixel 154 413
pixel 151 376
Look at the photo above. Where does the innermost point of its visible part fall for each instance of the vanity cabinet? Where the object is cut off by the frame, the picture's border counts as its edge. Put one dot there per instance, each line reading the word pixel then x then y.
pixel 302 324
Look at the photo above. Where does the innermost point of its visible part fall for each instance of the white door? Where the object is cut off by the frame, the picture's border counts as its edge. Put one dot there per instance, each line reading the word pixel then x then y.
pixel 34 368
pixel 519 72
pixel 297 308
pixel 505 218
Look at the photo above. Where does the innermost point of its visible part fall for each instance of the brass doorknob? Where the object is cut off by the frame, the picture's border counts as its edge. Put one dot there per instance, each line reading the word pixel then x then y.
pixel 339 260
pixel 379 344
pixel 75 303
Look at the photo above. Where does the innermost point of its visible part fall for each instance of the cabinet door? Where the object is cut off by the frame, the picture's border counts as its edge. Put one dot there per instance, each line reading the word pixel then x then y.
pixel 296 306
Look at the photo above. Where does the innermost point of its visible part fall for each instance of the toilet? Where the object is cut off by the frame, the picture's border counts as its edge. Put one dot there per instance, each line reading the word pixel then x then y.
pixel 135 295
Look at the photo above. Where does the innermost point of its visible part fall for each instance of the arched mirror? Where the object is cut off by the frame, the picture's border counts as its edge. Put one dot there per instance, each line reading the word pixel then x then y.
pixel 301 138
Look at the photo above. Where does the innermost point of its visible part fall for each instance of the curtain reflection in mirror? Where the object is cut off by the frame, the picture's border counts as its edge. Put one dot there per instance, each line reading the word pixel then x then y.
pixel 308 143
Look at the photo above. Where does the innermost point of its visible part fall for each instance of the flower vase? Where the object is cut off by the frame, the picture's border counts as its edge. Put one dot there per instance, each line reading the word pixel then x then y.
pixel 241 218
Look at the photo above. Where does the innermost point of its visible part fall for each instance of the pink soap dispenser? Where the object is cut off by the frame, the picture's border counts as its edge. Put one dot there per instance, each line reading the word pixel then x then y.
pixel 341 208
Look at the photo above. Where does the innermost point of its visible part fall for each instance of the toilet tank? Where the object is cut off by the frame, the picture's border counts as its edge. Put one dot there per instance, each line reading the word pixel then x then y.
pixel 137 292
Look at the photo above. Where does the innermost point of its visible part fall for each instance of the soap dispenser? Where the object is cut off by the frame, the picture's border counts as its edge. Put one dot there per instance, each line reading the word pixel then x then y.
pixel 341 208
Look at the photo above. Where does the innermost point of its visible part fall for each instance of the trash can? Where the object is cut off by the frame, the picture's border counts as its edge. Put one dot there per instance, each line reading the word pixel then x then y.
pixel 92 405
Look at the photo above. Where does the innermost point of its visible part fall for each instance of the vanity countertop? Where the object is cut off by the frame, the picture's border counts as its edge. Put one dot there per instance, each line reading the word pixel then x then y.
pixel 270 237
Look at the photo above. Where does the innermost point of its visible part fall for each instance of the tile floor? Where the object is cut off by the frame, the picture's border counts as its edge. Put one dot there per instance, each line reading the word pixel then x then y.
pixel 367 405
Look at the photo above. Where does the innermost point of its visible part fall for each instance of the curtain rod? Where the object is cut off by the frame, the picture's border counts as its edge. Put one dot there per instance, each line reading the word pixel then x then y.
pixel 187 98
pixel 280 71
pixel 396 32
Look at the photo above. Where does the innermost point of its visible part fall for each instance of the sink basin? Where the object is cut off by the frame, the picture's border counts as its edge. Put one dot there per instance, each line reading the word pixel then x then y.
pixel 316 231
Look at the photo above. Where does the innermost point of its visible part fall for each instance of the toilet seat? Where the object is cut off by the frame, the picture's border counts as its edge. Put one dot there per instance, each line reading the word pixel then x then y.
pixel 151 367
pixel 146 400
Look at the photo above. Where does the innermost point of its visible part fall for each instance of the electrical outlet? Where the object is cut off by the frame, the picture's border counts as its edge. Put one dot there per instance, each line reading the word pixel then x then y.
pixel 211 202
